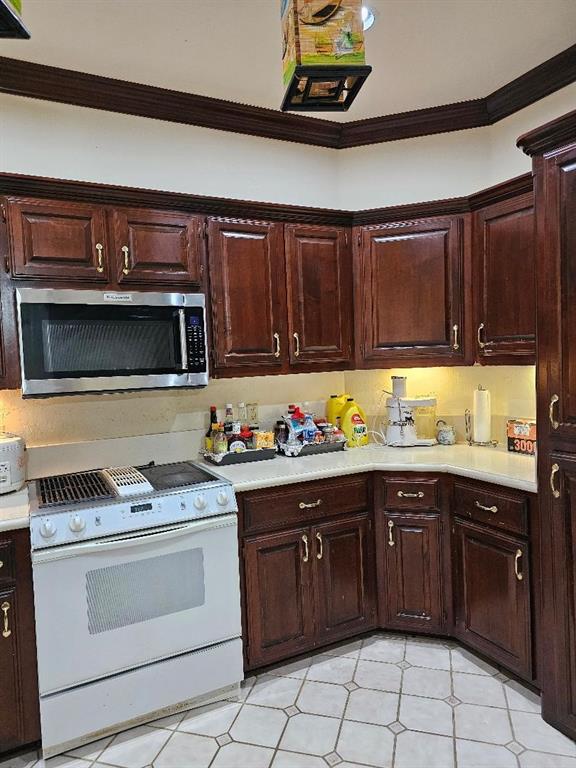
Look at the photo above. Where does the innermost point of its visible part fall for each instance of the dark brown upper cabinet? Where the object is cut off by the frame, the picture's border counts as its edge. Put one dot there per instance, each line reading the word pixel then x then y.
pixel 410 293
pixel 248 294
pixel 57 240
pixel 505 282
pixel 320 295
pixel 156 247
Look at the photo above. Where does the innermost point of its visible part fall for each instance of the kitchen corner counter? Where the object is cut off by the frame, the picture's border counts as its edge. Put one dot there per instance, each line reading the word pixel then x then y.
pixel 14 510
pixel 492 465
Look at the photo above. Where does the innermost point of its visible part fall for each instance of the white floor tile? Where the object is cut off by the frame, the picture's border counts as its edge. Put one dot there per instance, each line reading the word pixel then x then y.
pixel 295 760
pixel 533 733
pixel 187 749
pixel 270 691
pixel 259 725
pixel 376 707
pixel 27 760
pixel 465 661
pixel 293 669
pixel 350 650
pixel 242 756
pixel 310 734
pixel 429 715
pixel 91 751
pixel 521 698
pixel 135 748
pixel 482 724
pixel 322 699
pixel 62 761
pixel 434 683
pixel 331 669
pixel 539 760
pixel 363 743
pixel 428 655
pixel 383 649
pixel 212 720
pixel 423 750
pixel 378 675
pixel 478 689
pixel 473 754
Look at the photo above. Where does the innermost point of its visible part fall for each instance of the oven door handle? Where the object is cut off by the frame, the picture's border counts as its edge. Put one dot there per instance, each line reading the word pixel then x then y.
pixel 106 545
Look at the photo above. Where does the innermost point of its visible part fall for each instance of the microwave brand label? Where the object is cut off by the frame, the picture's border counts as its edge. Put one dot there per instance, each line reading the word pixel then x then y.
pixel 122 298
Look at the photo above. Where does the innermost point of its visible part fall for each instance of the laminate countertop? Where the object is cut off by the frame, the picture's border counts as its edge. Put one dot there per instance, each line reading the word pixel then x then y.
pixel 14 510
pixel 493 465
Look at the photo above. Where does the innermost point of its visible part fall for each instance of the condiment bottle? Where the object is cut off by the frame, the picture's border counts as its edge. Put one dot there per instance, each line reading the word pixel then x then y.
pixel 228 419
pixel 219 440
pixel 208 440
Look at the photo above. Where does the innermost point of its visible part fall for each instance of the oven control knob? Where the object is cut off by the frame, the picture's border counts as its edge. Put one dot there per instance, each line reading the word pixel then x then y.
pixel 222 498
pixel 77 523
pixel 200 502
pixel 47 529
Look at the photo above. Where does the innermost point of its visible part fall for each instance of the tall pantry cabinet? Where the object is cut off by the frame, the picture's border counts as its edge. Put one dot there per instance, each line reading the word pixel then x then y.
pixel 553 148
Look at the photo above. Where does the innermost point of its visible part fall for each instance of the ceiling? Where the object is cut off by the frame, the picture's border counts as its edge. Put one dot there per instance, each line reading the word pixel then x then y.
pixel 423 52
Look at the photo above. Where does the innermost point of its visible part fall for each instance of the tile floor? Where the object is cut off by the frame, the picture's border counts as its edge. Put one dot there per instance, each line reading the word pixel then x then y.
pixel 386 700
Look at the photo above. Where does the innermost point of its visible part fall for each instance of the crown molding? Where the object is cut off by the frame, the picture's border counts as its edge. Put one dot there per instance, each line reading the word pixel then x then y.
pixel 65 86
pixel 550 136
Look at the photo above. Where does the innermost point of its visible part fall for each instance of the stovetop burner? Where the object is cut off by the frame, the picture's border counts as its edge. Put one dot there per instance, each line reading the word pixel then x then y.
pixel 164 477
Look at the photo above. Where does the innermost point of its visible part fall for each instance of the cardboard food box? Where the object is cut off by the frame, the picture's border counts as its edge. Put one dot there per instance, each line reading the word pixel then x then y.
pixel 521 434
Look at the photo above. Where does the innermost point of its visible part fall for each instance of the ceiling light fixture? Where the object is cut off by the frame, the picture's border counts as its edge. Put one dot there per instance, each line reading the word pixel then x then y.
pixel 368 17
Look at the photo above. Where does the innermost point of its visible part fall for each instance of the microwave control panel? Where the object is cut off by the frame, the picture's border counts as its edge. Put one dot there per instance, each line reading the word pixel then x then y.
pixel 196 340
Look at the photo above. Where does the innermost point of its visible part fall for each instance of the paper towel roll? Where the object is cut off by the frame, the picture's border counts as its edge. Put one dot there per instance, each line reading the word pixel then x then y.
pixel 482 416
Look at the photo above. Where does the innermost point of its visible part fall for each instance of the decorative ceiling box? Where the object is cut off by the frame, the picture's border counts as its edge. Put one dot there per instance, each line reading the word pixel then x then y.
pixel 323 57
pixel 10 19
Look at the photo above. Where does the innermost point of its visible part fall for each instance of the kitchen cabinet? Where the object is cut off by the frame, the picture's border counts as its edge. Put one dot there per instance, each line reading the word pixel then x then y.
pixel 410 292
pixel 320 297
pixel 505 282
pixel 19 712
pixel 156 247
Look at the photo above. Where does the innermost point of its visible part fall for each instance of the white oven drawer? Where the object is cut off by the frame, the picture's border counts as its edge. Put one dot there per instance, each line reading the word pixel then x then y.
pixel 106 606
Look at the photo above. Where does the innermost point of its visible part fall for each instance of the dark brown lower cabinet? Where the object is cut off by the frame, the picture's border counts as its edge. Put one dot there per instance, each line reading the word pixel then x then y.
pixel 492 594
pixel 410 571
pixel 19 714
pixel 307 587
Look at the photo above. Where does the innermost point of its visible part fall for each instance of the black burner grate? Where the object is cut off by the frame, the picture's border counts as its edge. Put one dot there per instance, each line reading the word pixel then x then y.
pixel 67 489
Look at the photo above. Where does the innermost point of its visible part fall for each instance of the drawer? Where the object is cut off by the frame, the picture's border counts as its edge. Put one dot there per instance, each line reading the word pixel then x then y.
pixel 498 509
pixel 298 504
pixel 7 561
pixel 411 494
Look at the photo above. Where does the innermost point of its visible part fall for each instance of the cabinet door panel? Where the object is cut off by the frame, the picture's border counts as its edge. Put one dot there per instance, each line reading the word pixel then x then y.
pixel 344 577
pixel 505 281
pixel 58 240
pixel 319 272
pixel 278 596
pixel 163 247
pixel 410 560
pixel 412 288
pixel 492 595
pixel 247 277
pixel 11 734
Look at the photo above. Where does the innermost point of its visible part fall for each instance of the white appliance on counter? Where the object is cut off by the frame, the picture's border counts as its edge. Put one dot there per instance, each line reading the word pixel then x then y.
pixel 401 430
pixel 12 462
pixel 137 597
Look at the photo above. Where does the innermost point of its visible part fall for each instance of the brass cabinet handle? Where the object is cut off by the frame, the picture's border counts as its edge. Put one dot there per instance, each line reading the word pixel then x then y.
pixel 517 571
pixel 553 400
pixel 5 607
pixel 493 509
pixel 481 343
pixel 320 553
pixel 99 257
pixel 312 505
pixel 305 540
pixel 456 344
pixel 407 495
pixel 555 491
pixel 297 350
pixel 390 533
pixel 1 564
pixel 277 344
pixel 125 251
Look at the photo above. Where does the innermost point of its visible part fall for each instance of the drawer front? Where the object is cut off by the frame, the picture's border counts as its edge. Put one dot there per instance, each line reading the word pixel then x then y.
pixel 7 561
pixel 497 509
pixel 290 505
pixel 411 494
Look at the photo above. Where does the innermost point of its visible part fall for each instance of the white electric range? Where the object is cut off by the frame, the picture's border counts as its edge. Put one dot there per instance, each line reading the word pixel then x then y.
pixel 137 598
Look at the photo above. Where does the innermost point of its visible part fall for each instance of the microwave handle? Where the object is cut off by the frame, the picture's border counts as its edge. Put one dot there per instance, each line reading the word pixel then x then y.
pixel 183 345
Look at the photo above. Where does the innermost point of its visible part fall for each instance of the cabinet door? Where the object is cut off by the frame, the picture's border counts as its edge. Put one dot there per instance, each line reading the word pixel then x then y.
pixel 248 290
pixel 156 247
pixel 505 282
pixel 278 597
pixel 319 276
pixel 345 577
pixel 11 734
pixel 411 284
pixel 409 561
pixel 58 240
pixel 492 595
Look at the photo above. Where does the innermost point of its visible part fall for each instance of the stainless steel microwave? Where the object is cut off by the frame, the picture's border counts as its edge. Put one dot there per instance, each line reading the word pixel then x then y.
pixel 74 341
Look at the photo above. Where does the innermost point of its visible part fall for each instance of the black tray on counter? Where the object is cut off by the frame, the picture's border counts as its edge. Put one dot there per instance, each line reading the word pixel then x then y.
pixel 245 457
pixel 313 449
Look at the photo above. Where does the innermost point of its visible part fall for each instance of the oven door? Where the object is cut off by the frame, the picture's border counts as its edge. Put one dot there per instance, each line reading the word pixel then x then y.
pixel 87 341
pixel 119 603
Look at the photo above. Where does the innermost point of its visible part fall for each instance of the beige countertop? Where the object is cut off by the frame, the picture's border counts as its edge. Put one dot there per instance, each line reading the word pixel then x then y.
pixel 14 510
